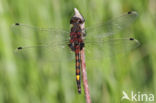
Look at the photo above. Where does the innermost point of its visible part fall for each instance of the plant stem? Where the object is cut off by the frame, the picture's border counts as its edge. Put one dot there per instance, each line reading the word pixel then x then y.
pixel 84 77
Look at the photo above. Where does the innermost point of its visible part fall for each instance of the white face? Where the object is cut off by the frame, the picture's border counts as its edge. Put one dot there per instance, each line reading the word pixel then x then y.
pixel 77 14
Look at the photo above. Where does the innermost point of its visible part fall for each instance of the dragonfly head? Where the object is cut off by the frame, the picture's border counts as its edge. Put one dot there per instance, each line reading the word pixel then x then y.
pixel 76 20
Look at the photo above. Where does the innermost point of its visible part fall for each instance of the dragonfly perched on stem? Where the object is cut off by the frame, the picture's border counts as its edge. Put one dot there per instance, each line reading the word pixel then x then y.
pixel 77 39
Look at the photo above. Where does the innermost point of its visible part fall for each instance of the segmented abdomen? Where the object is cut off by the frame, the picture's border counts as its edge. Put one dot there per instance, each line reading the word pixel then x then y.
pixel 78 66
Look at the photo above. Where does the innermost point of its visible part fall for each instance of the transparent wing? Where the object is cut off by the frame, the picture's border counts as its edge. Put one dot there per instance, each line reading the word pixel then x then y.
pixel 45 41
pixel 38 35
pixel 98 44
pixel 52 53
pixel 113 26
pixel 109 46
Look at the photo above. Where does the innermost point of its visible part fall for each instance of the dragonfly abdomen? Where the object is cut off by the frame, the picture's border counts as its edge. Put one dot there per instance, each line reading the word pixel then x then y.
pixel 78 66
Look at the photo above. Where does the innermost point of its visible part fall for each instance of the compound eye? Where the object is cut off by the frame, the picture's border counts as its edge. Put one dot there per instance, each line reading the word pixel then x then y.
pixel 71 21
pixel 80 21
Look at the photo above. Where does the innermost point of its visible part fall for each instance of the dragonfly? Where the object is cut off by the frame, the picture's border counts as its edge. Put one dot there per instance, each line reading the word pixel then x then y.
pixel 77 38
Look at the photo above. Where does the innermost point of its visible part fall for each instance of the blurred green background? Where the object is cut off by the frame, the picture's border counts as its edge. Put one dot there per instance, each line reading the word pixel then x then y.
pixel 32 79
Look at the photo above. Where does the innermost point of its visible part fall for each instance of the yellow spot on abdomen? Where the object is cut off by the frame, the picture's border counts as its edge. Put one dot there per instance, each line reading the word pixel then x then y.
pixel 77 77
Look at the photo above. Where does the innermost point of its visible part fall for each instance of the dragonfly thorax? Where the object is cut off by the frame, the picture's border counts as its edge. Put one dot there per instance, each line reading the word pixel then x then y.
pixel 76 34
pixel 76 41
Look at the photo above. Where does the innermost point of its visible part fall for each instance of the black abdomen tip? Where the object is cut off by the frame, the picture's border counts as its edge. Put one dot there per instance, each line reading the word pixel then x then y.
pixel 131 38
pixel 17 24
pixel 79 90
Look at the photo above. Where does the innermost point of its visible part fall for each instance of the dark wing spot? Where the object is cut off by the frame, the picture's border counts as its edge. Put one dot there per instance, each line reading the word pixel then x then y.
pixel 17 24
pixel 19 48
pixel 129 12
pixel 131 38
